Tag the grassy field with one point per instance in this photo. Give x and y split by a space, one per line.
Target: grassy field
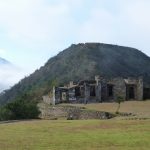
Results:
76 135
113 134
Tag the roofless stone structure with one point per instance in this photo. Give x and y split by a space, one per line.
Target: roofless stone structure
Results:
97 90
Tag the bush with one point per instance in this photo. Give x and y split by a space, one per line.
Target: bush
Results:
5 114
19 109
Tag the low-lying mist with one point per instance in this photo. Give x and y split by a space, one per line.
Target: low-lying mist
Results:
9 75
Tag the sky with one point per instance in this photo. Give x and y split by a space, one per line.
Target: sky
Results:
32 31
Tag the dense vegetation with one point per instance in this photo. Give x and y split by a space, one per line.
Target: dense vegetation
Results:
21 108
81 61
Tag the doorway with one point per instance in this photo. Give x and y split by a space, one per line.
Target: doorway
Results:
92 91
110 90
130 92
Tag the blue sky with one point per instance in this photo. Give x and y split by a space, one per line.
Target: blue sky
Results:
32 31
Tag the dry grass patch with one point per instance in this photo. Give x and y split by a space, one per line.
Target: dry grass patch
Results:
140 108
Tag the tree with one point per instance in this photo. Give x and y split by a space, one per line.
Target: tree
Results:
23 109
5 114
119 100
20 108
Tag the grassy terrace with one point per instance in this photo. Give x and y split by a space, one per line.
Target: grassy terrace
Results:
140 108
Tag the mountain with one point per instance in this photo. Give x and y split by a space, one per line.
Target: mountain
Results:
78 62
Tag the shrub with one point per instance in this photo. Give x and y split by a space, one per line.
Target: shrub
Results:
5 114
19 109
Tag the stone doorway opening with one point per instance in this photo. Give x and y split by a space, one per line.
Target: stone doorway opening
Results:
92 91
77 91
146 93
110 91
130 92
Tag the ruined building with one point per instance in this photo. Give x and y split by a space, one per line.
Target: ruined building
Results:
98 90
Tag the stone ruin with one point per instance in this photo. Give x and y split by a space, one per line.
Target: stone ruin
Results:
98 90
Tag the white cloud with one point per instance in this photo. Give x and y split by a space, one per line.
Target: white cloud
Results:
9 75
53 24
98 27
2 52
49 26
34 21
127 24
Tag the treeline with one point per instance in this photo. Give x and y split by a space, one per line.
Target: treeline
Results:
21 108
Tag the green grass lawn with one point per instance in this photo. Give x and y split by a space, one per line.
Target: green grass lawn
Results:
76 135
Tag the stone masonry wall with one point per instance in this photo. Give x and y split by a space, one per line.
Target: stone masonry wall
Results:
71 113
140 89
119 88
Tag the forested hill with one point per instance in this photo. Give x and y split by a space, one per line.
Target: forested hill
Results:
81 61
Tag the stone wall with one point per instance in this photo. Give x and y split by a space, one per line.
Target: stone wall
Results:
50 112
119 88
75 114
104 90
140 89
47 99
71 113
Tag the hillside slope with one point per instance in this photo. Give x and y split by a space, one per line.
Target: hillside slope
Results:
82 61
